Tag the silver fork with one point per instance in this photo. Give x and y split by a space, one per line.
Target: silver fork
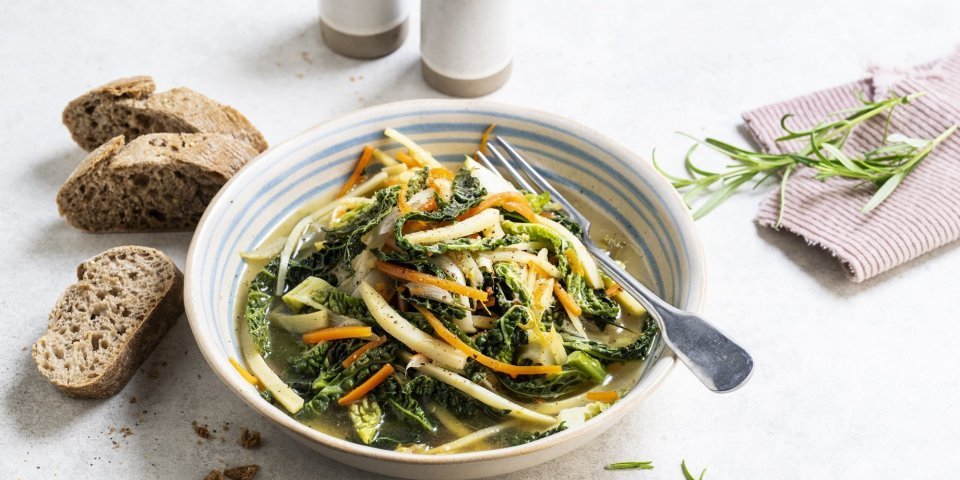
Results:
714 358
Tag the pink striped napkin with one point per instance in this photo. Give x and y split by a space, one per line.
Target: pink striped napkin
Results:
921 215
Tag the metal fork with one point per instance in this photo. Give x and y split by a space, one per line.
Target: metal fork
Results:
714 358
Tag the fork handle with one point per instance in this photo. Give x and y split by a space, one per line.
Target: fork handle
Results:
716 360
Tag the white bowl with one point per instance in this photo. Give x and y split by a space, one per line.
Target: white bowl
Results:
596 170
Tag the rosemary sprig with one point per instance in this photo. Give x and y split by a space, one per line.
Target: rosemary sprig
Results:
885 166
630 466
686 473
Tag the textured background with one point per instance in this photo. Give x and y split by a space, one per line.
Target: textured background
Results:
853 381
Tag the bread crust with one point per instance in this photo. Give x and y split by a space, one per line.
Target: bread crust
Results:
135 344
161 181
130 107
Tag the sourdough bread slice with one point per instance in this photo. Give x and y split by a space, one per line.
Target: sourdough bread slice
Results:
129 107
160 181
105 325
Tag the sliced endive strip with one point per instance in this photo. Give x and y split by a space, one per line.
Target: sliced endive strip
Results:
418 152
414 338
266 251
483 395
258 366
302 323
626 301
474 224
587 263
472 438
520 257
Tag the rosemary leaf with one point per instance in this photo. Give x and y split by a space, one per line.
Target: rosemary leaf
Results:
686 473
630 466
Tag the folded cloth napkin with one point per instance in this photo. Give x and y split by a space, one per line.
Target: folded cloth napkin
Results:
924 211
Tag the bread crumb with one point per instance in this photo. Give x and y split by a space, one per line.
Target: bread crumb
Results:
153 373
249 438
214 475
126 431
244 472
202 430
133 399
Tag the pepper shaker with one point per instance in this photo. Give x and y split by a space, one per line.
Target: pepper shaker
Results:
466 46
364 28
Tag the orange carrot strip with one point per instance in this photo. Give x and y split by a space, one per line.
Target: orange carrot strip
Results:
566 300
486 138
244 373
613 290
420 277
430 206
364 388
492 363
403 157
402 199
336 333
523 208
364 349
494 200
357 171
605 396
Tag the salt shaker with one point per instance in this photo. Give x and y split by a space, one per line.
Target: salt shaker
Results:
364 28
466 46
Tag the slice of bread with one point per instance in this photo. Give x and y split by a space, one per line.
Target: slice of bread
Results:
160 181
106 324
129 107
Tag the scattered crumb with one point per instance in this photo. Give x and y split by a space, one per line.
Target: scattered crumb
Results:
245 472
110 430
352 78
202 430
153 373
226 426
299 75
126 431
133 399
214 475
306 57
116 444
249 438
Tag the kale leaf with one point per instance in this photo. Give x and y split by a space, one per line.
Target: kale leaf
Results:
333 384
402 404
259 298
593 302
545 387
521 438
466 192
638 350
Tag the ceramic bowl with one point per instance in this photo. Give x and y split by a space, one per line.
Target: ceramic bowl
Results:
598 172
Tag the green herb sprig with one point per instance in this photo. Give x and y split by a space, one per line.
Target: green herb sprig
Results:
630 466
686 473
885 166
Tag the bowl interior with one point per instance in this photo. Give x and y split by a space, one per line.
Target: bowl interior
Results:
622 192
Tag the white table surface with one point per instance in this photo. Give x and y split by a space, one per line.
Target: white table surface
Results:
852 381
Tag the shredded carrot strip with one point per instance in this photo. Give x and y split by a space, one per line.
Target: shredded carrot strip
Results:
402 199
336 333
376 379
605 396
430 206
403 157
441 172
420 277
357 171
486 138
566 300
244 373
364 349
523 208
494 200
613 290
492 363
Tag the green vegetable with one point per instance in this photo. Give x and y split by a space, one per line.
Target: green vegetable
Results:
547 387
520 439
630 466
537 202
686 473
537 233
587 365
417 182
259 299
458 403
401 403
367 419
638 350
323 293
336 382
443 311
593 302
508 272
342 243
503 340
466 192
885 166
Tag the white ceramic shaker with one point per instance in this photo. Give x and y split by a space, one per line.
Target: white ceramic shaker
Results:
364 28
466 46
